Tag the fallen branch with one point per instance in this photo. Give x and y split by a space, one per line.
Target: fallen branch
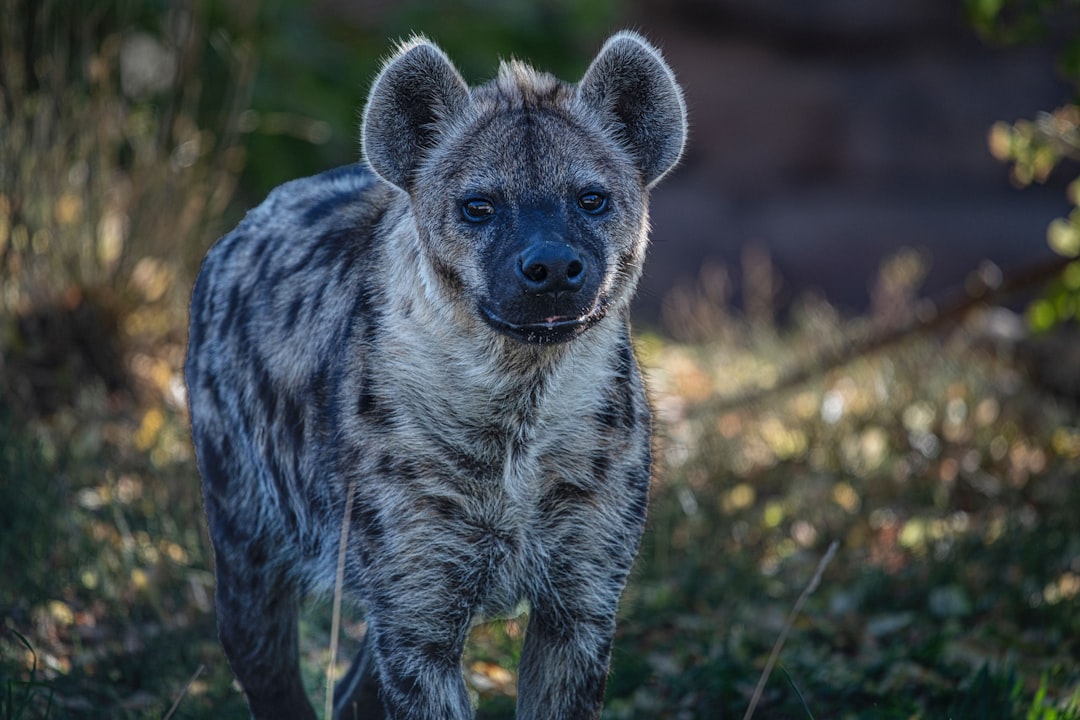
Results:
936 314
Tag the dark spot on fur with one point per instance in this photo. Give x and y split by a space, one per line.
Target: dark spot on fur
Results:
407 689
408 470
469 576
445 508
366 519
293 421
369 407
608 415
372 329
326 248
243 320
474 466
317 302
262 256
265 393
437 653
293 313
211 386
401 469
328 205
448 274
619 408
365 401
347 263
232 309
490 435
639 482
284 485
566 495
212 462
600 464
363 303
256 553
227 530
516 448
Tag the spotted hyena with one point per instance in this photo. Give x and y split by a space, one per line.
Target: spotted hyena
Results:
434 344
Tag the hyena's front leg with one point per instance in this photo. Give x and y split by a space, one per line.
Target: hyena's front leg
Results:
421 591
564 663
417 649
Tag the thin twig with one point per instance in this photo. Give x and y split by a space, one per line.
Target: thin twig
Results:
335 622
183 693
788 624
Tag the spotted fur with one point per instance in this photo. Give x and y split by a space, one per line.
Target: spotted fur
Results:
468 374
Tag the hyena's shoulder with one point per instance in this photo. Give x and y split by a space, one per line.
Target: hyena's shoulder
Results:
302 228
281 289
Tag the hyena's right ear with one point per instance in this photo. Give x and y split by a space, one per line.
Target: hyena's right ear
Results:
417 93
634 89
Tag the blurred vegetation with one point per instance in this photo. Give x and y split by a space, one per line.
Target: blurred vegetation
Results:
947 476
133 133
1050 142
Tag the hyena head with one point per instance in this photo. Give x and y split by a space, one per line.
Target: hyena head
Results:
529 194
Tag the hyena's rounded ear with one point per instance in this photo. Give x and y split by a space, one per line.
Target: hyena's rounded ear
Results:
630 84
417 94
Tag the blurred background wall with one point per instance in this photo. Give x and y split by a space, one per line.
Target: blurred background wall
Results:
832 133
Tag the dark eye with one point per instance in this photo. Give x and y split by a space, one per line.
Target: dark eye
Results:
592 202
477 209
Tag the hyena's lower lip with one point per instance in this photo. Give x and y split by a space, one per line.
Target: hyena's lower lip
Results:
549 330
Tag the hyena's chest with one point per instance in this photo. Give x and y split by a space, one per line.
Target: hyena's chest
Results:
498 507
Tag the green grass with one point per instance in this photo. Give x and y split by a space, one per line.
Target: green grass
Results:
948 479
20 697
950 483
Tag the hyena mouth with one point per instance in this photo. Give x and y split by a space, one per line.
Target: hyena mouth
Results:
554 329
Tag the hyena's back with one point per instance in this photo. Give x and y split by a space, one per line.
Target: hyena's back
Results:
275 301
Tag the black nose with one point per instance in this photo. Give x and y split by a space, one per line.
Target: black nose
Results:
547 266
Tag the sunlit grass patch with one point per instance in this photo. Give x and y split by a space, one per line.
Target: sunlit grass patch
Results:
935 465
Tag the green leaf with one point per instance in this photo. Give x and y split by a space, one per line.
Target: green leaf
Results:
1071 276
1063 237
1041 315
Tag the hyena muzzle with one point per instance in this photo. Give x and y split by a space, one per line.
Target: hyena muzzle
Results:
435 345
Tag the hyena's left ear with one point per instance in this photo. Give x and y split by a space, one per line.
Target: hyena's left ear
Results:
413 100
630 83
